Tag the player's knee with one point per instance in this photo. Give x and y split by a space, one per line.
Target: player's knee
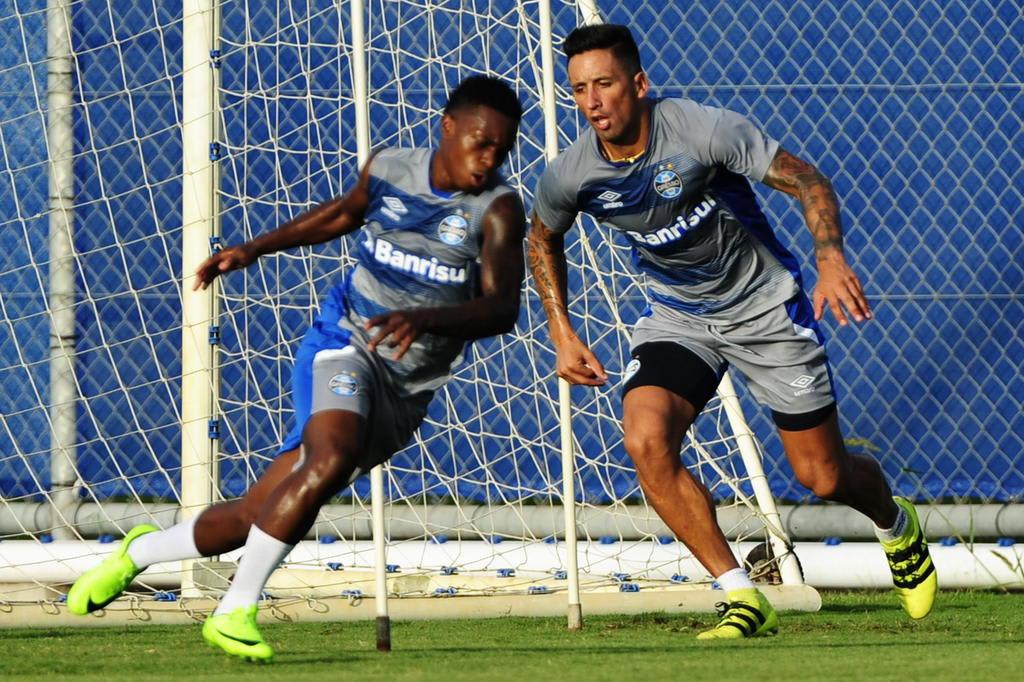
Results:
657 462
827 489
228 522
649 448
824 483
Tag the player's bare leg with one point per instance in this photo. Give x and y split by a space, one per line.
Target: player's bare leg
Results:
821 462
224 527
332 441
655 421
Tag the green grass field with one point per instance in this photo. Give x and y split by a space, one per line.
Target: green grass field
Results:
970 636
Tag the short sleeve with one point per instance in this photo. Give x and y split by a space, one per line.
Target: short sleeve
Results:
553 202
740 146
380 161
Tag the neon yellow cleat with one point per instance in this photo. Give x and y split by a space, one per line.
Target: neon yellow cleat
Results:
236 634
746 614
102 584
913 573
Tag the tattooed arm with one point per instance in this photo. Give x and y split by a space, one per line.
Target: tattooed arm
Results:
546 254
838 286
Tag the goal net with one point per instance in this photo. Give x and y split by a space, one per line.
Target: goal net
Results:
93 130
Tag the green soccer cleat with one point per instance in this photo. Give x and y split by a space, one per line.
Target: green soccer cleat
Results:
236 634
913 573
746 614
102 584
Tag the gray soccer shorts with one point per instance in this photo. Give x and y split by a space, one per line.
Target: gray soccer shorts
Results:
781 353
337 375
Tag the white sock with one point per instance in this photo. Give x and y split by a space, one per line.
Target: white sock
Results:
899 527
174 544
262 554
736 579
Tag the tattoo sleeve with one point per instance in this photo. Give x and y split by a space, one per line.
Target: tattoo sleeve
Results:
546 256
796 177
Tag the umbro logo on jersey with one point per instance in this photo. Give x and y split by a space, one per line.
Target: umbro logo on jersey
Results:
396 205
394 208
610 199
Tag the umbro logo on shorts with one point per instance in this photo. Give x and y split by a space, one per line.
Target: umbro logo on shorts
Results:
803 382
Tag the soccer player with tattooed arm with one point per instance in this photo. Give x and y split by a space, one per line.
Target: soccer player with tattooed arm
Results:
672 176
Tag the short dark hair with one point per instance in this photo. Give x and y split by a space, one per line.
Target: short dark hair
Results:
486 91
614 37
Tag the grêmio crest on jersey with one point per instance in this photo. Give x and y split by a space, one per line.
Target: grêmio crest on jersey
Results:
667 182
452 230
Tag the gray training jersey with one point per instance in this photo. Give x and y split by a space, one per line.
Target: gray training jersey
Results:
697 232
418 249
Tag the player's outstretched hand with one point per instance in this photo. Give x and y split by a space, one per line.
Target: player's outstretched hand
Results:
231 258
839 287
578 365
399 328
